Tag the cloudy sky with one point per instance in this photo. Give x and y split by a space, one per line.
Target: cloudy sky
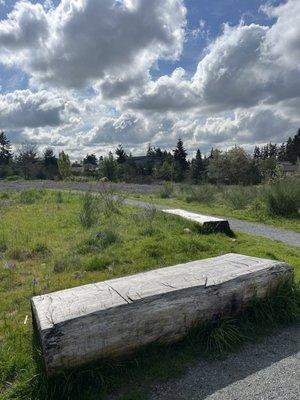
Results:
86 75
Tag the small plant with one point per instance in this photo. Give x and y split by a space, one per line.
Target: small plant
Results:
59 198
30 196
97 263
20 254
3 245
99 242
167 190
219 335
4 196
40 250
111 202
88 210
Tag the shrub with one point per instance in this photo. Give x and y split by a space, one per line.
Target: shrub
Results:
283 197
201 194
88 210
30 196
239 197
13 178
167 190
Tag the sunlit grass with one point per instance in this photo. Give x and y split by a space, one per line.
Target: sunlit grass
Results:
44 247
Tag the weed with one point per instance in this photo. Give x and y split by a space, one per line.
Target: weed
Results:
3 245
167 190
111 202
59 198
99 242
41 250
88 210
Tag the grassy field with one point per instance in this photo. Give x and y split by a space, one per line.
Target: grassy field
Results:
48 243
246 203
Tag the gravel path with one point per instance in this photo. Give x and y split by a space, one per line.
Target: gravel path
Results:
261 371
270 232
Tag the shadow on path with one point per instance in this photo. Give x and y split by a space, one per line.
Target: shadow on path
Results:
266 370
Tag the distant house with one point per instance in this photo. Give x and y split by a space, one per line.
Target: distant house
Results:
287 168
89 167
76 168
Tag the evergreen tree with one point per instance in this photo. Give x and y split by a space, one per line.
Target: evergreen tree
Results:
256 153
181 163
50 163
121 155
109 167
289 149
90 159
197 167
28 160
282 152
5 149
64 165
293 148
272 150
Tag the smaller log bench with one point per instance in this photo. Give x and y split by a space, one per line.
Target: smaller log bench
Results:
208 224
115 317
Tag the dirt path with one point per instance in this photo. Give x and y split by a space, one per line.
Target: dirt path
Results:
253 228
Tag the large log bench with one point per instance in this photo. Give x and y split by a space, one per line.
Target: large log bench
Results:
115 317
207 223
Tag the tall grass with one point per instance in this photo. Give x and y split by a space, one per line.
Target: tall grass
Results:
88 210
283 197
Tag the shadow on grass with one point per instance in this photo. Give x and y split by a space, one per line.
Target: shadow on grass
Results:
131 377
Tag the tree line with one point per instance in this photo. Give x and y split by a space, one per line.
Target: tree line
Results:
234 166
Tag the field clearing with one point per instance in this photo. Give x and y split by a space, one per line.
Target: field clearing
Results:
45 247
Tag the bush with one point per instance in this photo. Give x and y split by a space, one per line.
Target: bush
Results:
88 210
30 196
201 194
283 197
166 191
239 197
13 178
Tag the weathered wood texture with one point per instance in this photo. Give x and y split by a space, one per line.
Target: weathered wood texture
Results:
114 317
208 223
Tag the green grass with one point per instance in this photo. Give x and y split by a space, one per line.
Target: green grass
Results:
233 206
44 248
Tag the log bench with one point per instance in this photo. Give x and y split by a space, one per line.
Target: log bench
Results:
208 224
115 317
